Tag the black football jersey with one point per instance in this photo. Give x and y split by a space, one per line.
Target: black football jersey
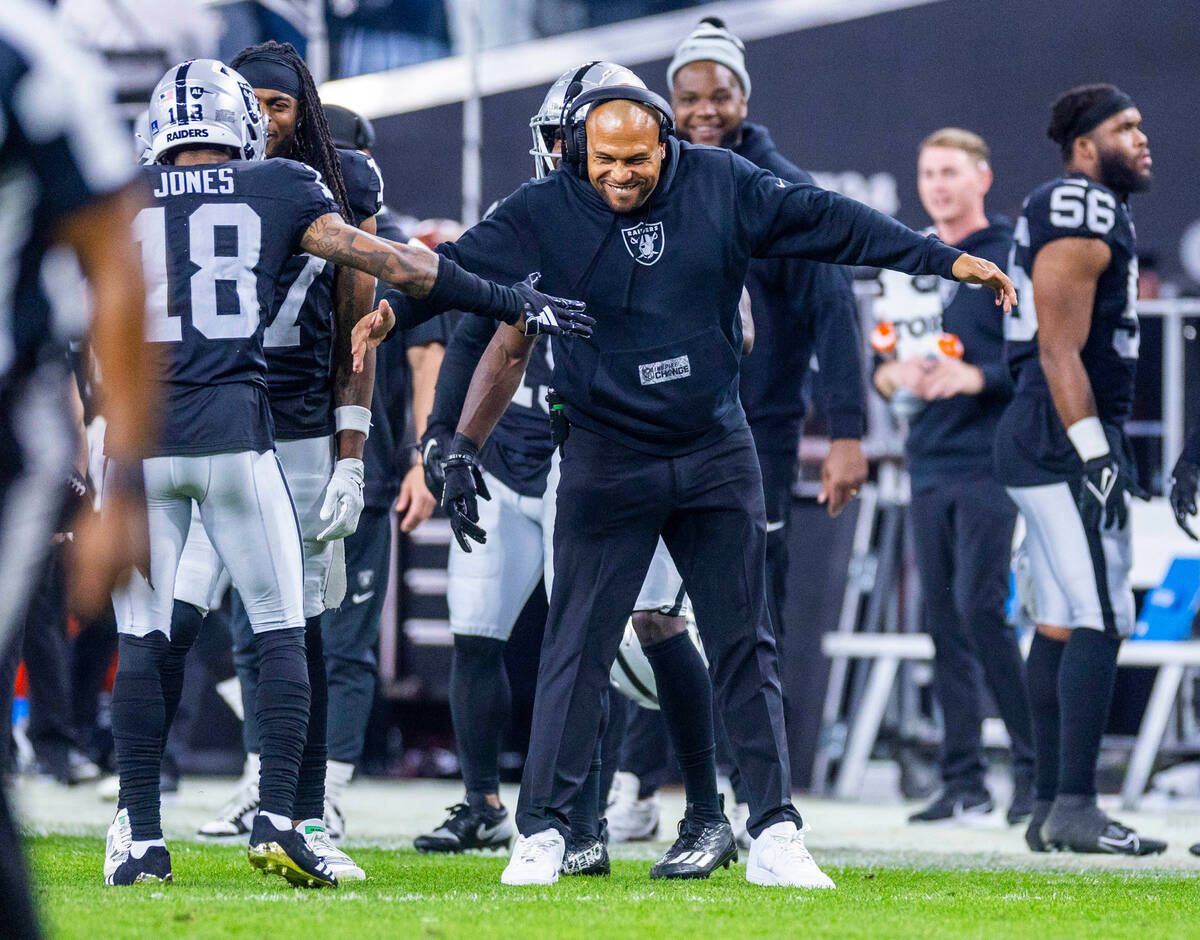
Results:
215 241
299 341
59 152
1032 445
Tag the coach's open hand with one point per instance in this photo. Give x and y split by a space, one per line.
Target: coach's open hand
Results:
554 315
972 270
464 482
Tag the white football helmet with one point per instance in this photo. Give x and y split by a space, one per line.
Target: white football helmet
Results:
547 121
205 101
631 674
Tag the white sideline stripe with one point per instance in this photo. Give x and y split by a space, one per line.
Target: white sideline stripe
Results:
428 632
426 580
508 68
431 532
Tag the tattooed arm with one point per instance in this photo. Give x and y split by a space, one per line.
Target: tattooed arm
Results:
412 270
353 378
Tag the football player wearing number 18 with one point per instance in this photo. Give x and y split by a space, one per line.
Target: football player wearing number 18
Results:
221 226
1062 453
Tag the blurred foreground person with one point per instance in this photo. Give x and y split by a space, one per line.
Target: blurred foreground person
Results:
64 181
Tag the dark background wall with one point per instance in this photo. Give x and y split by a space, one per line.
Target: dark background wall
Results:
861 95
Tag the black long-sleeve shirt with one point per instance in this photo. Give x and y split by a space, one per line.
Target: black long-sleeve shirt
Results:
661 372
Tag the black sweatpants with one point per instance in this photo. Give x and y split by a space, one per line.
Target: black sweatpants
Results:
613 502
779 468
962 533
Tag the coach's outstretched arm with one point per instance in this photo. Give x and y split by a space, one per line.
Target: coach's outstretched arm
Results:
440 284
804 221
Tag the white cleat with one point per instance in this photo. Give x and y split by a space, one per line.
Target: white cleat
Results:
779 857
117 843
630 819
337 861
235 818
536 860
739 816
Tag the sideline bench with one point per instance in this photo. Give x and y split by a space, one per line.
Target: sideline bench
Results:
888 650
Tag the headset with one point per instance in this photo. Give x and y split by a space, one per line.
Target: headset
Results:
574 132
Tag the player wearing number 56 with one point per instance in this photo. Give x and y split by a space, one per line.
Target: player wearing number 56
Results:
1062 452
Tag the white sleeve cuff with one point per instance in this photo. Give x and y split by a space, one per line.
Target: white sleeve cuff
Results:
1087 436
352 418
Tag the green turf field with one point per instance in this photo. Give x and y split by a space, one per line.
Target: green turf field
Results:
409 895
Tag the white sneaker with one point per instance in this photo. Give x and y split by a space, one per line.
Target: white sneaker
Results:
335 819
109 788
337 861
738 817
536 860
779 857
630 819
117 843
235 818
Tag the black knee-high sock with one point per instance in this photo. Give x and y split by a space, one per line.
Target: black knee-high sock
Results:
480 702
1085 689
310 787
1041 671
186 622
685 697
585 813
283 704
137 724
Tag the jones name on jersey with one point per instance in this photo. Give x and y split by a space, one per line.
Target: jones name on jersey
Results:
214 242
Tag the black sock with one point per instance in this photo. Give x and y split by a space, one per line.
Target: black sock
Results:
283 703
310 786
137 725
186 622
685 696
480 701
1041 671
1085 689
587 809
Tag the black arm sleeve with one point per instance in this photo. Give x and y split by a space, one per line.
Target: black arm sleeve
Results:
466 347
799 220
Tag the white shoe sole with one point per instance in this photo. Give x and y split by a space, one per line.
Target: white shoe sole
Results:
527 880
347 874
768 879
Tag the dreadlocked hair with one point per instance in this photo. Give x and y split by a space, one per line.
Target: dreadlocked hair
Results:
311 143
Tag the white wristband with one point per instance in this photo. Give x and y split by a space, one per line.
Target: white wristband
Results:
1087 435
352 418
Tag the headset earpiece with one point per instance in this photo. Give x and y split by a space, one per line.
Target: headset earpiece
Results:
574 133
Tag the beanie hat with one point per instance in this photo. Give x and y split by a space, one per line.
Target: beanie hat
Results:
710 41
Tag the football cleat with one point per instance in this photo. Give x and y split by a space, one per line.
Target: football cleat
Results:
1033 832
1077 824
337 861
155 865
586 857
284 852
779 857
117 843
631 819
468 828
702 848
536 860
955 806
236 817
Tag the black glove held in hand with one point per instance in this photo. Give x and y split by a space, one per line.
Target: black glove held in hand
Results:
464 482
554 315
1184 480
1101 496
432 449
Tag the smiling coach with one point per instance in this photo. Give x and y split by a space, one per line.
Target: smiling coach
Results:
656 235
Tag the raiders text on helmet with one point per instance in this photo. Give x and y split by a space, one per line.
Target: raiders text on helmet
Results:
205 101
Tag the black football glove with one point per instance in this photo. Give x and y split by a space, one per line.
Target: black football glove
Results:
1101 496
1184 480
463 483
432 448
553 315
